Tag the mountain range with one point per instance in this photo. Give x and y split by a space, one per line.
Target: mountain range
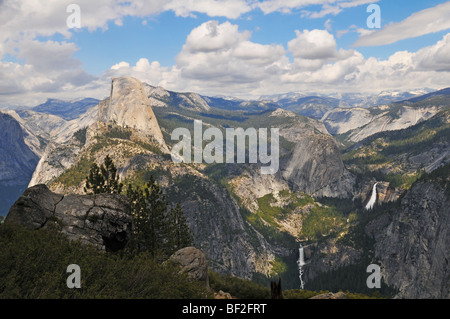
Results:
248 224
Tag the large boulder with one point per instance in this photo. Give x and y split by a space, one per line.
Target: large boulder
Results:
193 262
103 220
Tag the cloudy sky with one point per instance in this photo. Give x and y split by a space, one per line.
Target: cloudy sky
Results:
242 48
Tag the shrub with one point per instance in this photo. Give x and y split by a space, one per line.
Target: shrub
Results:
34 262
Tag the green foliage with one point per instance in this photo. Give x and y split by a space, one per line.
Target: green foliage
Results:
441 175
148 207
270 213
115 131
154 149
34 262
384 156
76 174
157 230
351 278
278 266
271 234
321 221
103 179
402 180
80 135
237 287
344 205
179 233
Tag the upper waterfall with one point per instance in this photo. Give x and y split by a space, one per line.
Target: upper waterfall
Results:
373 197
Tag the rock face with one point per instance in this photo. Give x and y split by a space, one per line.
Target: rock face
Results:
341 120
218 227
326 256
17 161
192 262
128 106
102 220
160 97
315 167
360 123
413 243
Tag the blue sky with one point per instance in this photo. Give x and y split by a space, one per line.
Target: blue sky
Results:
243 48
163 36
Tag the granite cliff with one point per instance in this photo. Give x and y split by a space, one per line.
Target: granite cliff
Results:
413 242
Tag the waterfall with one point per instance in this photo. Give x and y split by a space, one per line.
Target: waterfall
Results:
301 263
373 198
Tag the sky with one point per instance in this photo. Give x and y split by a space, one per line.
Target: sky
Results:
240 48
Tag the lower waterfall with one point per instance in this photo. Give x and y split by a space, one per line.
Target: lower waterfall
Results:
300 264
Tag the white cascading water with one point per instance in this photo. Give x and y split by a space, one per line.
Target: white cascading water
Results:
301 263
373 198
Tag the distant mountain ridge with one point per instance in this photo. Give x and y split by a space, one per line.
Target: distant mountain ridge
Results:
68 110
355 124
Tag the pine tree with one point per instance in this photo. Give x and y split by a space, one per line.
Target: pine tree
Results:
157 230
151 230
180 235
103 179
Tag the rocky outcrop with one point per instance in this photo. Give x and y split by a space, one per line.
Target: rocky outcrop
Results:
413 243
192 262
56 159
128 106
102 220
314 164
327 256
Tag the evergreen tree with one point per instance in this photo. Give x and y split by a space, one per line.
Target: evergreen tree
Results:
157 230
180 235
103 179
151 230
